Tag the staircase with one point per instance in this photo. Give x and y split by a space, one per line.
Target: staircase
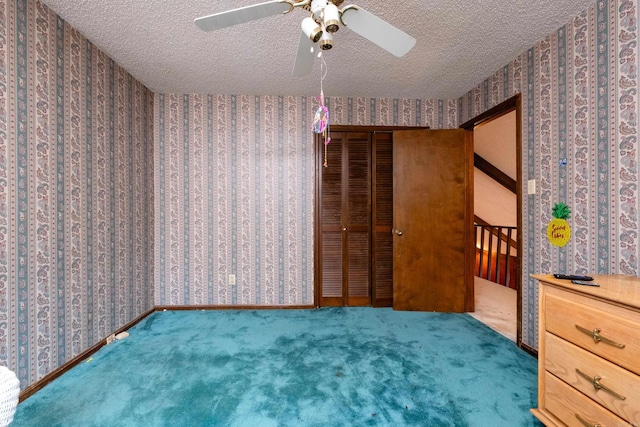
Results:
496 254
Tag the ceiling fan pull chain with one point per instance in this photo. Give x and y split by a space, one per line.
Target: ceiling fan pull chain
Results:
323 122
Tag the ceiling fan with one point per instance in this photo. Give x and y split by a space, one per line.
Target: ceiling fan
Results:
318 28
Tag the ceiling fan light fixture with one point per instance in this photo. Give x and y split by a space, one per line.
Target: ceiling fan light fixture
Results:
311 29
331 18
326 42
326 18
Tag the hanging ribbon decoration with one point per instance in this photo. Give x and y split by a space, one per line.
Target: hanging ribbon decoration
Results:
321 118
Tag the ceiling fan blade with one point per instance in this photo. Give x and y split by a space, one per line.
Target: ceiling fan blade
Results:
378 31
242 15
304 57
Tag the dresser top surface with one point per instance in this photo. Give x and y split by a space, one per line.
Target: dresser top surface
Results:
616 288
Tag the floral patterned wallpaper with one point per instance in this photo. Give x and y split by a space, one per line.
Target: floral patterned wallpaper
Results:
76 192
234 192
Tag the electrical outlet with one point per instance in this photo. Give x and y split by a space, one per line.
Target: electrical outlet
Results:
232 279
111 338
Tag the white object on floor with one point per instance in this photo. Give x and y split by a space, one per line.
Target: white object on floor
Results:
496 307
9 393
122 335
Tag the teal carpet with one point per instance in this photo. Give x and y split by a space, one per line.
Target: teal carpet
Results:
326 367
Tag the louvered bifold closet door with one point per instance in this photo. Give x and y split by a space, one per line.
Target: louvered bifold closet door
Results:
345 221
358 219
382 219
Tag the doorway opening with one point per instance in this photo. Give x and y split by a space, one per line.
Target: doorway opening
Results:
498 217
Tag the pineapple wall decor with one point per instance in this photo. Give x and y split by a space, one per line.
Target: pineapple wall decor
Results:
558 230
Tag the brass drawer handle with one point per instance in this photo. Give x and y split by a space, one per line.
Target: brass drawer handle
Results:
596 384
595 333
586 424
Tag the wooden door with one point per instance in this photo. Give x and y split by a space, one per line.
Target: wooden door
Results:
345 221
433 224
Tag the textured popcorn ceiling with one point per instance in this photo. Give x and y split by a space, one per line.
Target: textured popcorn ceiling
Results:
459 44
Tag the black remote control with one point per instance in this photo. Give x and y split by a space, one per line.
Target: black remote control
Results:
584 282
573 277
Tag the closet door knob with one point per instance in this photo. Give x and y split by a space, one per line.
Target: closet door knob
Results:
398 232
344 228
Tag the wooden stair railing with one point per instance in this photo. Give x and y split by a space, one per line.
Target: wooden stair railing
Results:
495 257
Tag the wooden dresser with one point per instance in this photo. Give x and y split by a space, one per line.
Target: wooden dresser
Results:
589 352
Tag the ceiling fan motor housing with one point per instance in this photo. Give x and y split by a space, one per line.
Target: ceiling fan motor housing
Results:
326 13
317 7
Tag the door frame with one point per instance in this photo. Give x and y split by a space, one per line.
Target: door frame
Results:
318 159
512 104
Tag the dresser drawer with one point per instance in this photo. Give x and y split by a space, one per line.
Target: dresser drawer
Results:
574 318
567 404
563 358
